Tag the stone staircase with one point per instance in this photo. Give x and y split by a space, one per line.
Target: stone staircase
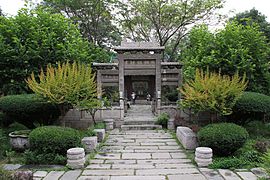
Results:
140 117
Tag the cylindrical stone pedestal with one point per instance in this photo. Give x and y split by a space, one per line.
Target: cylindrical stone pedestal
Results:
203 156
171 124
90 143
100 134
109 124
75 158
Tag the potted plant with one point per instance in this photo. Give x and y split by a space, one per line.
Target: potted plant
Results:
19 140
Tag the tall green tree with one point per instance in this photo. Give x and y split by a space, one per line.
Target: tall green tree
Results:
93 16
253 16
236 48
31 40
165 21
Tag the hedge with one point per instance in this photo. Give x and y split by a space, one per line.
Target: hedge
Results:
27 109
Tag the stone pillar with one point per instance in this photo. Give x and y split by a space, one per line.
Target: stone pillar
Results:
99 85
158 82
171 124
75 158
121 83
203 156
90 143
100 134
109 124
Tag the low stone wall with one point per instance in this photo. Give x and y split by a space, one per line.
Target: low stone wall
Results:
82 120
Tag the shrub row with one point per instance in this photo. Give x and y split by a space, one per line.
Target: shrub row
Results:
28 109
223 138
251 106
49 144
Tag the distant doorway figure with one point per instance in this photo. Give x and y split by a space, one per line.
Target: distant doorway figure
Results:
148 97
133 97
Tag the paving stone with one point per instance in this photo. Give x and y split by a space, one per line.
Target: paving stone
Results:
247 175
164 161
166 171
11 167
142 147
178 155
118 161
94 178
54 175
138 178
40 174
71 175
259 172
186 177
133 166
174 166
161 155
136 156
153 144
99 166
108 156
228 175
169 147
173 143
158 150
211 174
97 161
109 172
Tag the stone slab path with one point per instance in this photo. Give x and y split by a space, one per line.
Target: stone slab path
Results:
148 154
143 155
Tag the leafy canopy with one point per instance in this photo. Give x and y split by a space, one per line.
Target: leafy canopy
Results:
212 92
165 21
236 48
31 40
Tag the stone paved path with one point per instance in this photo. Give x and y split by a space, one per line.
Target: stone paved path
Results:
149 154
143 155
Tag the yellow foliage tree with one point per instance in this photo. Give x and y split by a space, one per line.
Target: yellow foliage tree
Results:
66 85
213 92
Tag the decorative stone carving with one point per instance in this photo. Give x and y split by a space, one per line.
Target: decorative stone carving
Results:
100 134
76 158
203 156
90 143
187 137
171 124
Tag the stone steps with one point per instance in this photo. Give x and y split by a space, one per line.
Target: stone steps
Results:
140 127
139 122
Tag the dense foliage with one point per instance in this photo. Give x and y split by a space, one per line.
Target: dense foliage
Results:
223 138
236 48
28 109
49 144
31 40
66 85
166 22
253 16
4 144
212 92
163 119
251 106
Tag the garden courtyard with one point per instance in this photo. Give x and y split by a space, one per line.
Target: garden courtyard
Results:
112 90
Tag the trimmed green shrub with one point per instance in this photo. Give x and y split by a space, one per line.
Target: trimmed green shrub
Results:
258 129
100 125
223 138
16 127
49 144
53 139
28 108
251 106
163 119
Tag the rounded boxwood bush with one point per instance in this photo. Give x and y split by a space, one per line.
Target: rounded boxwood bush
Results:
54 139
28 108
250 106
223 138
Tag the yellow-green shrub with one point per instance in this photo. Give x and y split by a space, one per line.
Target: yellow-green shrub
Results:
212 92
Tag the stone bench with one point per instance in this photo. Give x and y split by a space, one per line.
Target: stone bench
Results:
187 137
